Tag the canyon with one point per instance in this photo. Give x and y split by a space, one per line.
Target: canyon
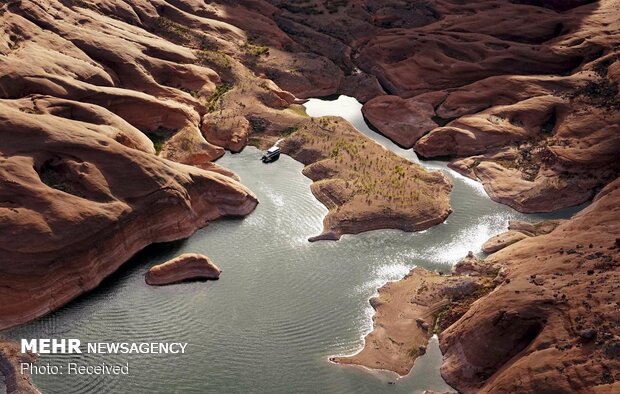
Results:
538 314
100 98
113 113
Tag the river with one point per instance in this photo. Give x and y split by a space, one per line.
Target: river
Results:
282 306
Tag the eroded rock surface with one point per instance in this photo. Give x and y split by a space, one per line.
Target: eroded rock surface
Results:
523 95
539 315
96 95
188 266
502 240
75 204
552 323
11 358
408 312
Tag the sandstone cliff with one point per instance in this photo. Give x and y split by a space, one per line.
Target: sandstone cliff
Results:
540 315
75 204
552 324
95 95
522 95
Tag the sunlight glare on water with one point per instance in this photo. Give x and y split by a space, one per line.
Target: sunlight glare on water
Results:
282 306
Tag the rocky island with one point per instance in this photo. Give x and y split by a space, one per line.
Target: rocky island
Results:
188 266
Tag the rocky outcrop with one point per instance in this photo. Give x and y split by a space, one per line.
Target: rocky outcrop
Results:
75 204
402 121
536 316
10 366
522 95
189 266
550 325
403 323
471 265
517 231
532 229
408 312
502 240
364 186
90 63
536 142
92 92
525 97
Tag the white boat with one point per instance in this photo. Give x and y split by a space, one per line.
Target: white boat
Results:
272 154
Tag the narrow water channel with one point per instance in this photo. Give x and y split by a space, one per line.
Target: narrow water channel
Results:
282 306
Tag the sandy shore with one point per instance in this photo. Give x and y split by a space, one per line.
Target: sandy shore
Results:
544 300
403 321
408 312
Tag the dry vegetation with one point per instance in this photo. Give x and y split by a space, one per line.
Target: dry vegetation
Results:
373 174
364 185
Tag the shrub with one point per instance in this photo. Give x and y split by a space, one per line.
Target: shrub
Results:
217 94
158 141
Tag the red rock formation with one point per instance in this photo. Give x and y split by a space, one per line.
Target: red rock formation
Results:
525 90
405 314
539 142
364 186
75 205
188 266
10 366
517 231
529 88
552 325
82 86
90 59
538 316
502 240
402 121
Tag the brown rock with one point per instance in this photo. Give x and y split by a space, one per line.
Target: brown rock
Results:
461 288
362 86
468 265
342 161
314 76
69 217
502 240
511 338
89 92
402 121
189 266
524 227
400 327
11 358
514 338
422 350
534 229
403 310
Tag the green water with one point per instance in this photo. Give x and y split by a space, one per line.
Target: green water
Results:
282 306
